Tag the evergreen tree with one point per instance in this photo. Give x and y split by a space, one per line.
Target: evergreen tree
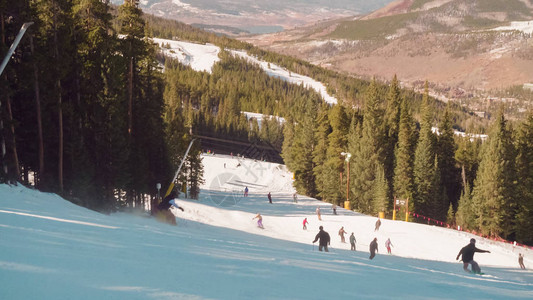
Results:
369 154
403 173
424 171
524 166
446 148
334 163
323 129
467 157
493 196
392 127
380 195
354 145
303 147
465 216
450 216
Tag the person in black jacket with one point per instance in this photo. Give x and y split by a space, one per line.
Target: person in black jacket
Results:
468 256
324 239
163 212
373 248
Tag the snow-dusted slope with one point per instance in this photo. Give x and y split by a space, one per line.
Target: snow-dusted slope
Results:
52 249
283 218
202 57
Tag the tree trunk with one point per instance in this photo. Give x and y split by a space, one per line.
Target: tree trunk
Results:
2 136
130 102
16 166
39 118
60 113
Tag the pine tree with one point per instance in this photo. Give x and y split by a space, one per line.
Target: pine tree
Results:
323 129
369 154
380 195
354 145
392 126
524 165
404 187
464 216
334 163
424 171
302 150
493 196
446 148
450 215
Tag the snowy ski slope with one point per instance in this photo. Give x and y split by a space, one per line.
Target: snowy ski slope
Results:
53 249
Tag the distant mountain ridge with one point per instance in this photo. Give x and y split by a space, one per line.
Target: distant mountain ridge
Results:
246 14
461 47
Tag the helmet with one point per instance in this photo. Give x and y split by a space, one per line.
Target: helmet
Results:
472 241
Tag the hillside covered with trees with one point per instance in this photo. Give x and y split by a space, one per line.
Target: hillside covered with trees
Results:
88 113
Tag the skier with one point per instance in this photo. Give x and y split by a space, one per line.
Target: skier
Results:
163 208
373 248
521 261
378 224
259 220
305 223
342 232
294 198
318 213
324 239
468 256
269 196
334 207
352 242
246 192
388 244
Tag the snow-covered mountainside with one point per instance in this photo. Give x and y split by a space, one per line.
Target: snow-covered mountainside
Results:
53 249
202 57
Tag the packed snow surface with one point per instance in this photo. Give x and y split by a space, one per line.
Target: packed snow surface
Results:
53 249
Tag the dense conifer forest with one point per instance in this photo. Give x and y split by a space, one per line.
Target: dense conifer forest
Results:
87 112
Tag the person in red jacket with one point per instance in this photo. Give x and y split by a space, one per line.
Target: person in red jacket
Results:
468 256
305 223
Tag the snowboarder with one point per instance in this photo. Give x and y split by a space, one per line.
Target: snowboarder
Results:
305 223
373 248
246 192
378 224
163 208
259 220
388 244
342 232
352 242
334 207
324 239
468 256
521 261
318 213
269 196
294 198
